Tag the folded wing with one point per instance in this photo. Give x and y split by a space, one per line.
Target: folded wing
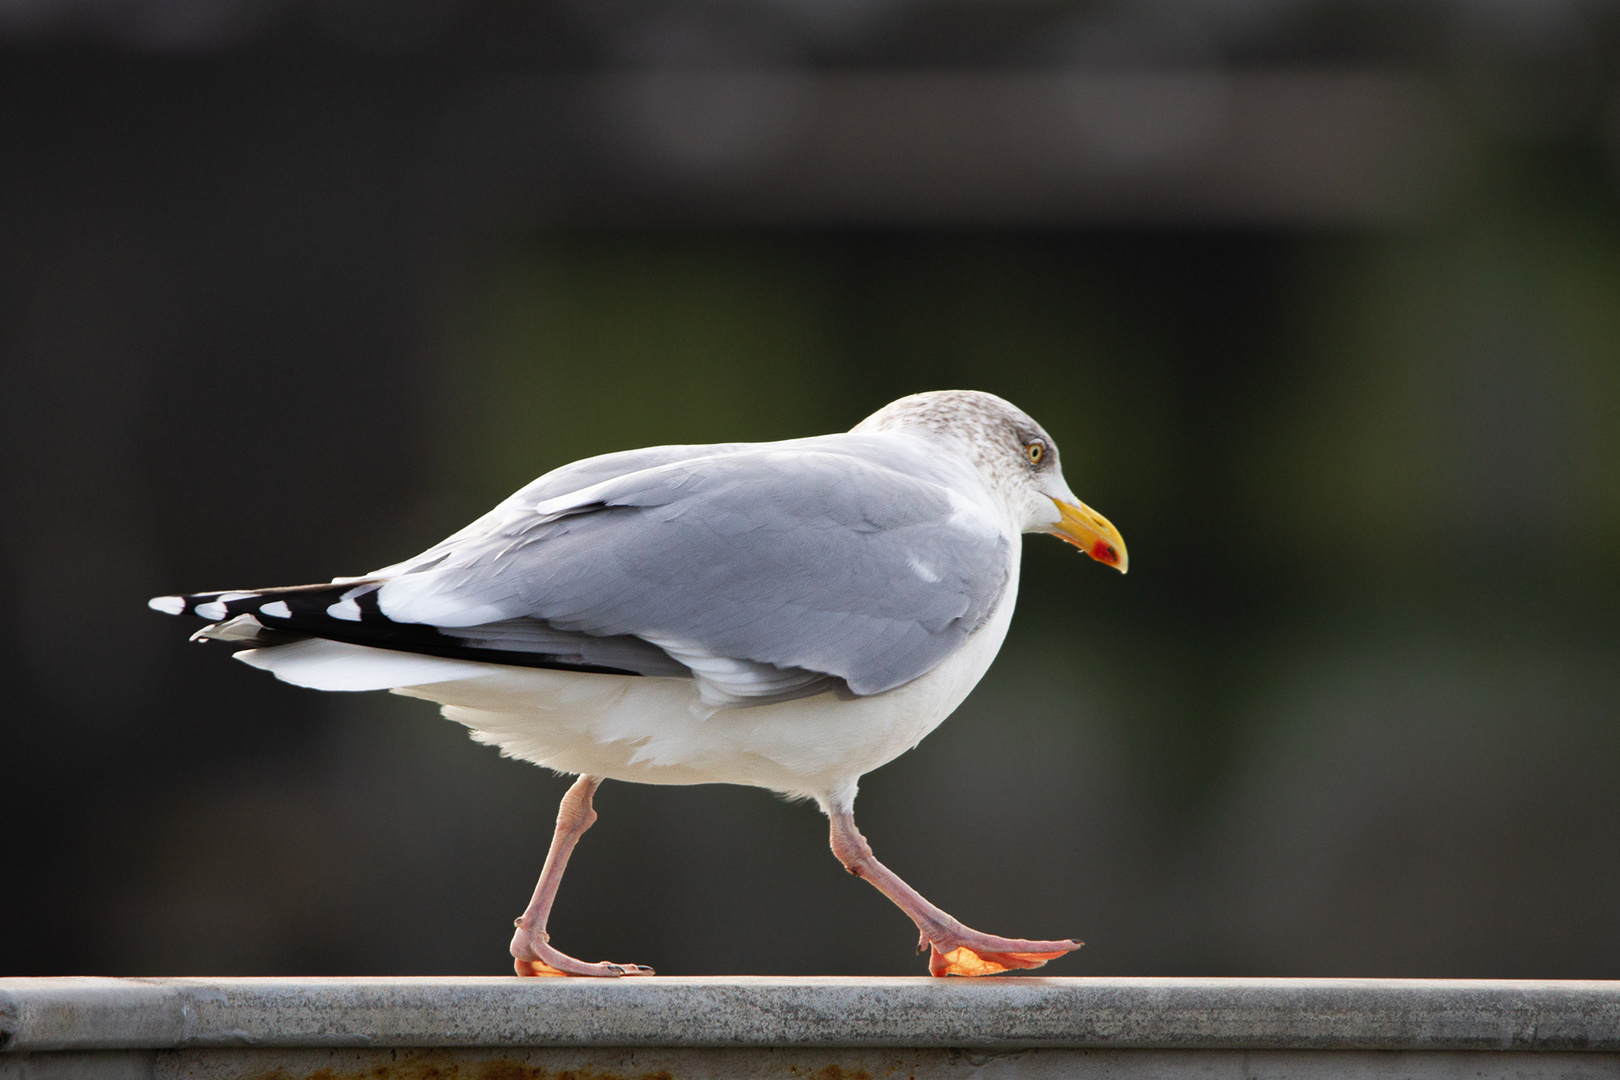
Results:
765 572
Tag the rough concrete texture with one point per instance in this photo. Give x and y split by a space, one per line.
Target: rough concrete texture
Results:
81 1014
801 1063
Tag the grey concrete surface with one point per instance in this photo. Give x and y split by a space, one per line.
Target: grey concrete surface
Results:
93 1014
800 1063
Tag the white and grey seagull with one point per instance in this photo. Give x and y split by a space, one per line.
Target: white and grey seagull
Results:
786 615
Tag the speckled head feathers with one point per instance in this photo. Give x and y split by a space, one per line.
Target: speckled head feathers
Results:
985 422
968 414
992 433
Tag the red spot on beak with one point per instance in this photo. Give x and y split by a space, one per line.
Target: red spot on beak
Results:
1091 533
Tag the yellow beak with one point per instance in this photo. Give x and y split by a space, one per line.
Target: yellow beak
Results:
1091 533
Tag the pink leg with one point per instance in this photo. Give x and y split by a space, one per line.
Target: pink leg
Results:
532 953
955 949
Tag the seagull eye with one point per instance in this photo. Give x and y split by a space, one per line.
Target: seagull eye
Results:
1036 451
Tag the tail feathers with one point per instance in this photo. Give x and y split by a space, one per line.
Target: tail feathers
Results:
271 616
347 611
338 665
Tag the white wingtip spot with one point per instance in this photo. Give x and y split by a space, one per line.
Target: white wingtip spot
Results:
169 605
345 609
278 610
212 610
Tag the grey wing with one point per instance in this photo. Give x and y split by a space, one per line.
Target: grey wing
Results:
760 569
517 508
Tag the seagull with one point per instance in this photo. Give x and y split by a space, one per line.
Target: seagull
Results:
786 615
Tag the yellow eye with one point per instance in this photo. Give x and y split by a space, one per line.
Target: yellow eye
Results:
1036 451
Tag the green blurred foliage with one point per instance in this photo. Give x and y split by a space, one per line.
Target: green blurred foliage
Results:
584 344
591 347
1355 710
1358 438
1371 485
1456 411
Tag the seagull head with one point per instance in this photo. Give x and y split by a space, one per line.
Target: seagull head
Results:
1014 456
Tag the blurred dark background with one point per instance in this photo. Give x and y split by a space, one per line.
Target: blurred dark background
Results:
1321 299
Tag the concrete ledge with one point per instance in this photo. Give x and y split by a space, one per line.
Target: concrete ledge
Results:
738 1063
1010 1014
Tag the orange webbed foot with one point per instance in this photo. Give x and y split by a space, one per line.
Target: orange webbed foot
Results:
533 955
541 969
973 954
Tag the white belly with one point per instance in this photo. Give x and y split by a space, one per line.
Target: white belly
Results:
657 731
